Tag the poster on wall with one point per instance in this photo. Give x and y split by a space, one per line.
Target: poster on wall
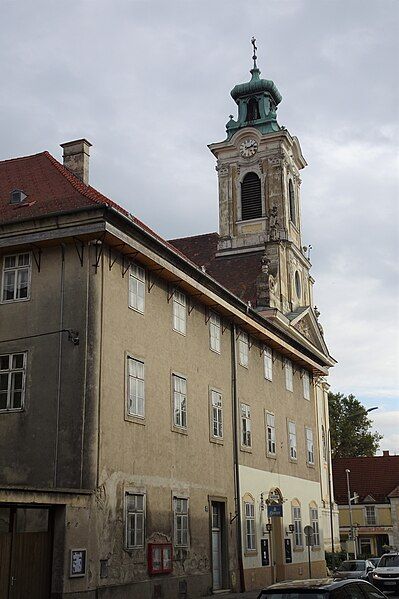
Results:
288 551
78 563
264 547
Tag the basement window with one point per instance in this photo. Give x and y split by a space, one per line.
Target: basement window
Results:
17 196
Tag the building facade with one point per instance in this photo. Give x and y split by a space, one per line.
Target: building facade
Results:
162 404
374 491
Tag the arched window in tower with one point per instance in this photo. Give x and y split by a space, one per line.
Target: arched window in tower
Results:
253 110
251 197
292 202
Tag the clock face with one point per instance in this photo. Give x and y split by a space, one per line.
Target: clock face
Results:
248 148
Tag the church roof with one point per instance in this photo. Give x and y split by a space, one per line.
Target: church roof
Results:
377 476
238 273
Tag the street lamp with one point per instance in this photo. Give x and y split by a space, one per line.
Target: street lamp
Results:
329 473
350 510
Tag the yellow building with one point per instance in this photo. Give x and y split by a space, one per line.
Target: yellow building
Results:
374 491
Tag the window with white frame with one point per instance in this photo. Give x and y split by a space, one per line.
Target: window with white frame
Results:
179 401
216 414
297 522
268 363
270 434
292 440
250 537
309 446
135 520
12 381
214 332
246 438
370 515
314 523
179 312
16 277
306 384
180 521
135 388
243 349
137 288
289 383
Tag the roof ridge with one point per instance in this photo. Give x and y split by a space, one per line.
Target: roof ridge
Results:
22 157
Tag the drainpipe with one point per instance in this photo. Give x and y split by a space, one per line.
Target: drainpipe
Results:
236 454
61 326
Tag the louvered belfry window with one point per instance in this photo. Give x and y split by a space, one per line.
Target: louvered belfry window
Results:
251 197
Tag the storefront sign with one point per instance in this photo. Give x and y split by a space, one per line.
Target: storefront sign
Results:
288 551
264 547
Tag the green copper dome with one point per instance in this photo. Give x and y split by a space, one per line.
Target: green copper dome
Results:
257 102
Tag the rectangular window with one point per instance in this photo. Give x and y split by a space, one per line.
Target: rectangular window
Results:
137 288
309 446
135 519
179 312
16 277
246 439
12 381
217 414
292 440
370 515
270 434
180 518
268 363
306 384
179 401
289 384
243 349
135 391
214 332
314 522
250 539
296 518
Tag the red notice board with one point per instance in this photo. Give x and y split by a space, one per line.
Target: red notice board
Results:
160 558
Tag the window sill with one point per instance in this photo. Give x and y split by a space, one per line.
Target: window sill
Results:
298 548
180 332
215 351
243 365
271 456
270 380
15 301
293 460
217 440
310 465
251 552
179 430
135 419
136 310
12 410
246 449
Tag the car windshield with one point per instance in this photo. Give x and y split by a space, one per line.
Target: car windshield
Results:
287 594
352 566
389 561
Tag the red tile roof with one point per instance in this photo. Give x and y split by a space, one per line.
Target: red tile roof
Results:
377 476
49 186
236 273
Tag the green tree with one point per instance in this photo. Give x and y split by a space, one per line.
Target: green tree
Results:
351 436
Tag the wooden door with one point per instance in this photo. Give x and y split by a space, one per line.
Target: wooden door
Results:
26 553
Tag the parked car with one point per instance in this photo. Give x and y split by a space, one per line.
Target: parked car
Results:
354 568
324 588
386 575
374 561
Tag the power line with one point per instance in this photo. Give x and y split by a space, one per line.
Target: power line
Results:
73 336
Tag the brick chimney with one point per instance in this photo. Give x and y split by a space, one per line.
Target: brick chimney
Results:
76 158
385 452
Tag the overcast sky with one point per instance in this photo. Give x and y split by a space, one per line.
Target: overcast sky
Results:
148 83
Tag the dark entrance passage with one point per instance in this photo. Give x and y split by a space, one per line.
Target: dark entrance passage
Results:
25 552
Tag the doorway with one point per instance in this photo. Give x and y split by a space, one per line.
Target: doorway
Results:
25 552
218 544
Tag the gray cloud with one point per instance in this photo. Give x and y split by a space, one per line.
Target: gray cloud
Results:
148 83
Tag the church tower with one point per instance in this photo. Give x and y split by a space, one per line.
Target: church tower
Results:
258 167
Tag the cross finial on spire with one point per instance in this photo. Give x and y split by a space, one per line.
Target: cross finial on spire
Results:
254 57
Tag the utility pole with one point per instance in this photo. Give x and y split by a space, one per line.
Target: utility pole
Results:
350 510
